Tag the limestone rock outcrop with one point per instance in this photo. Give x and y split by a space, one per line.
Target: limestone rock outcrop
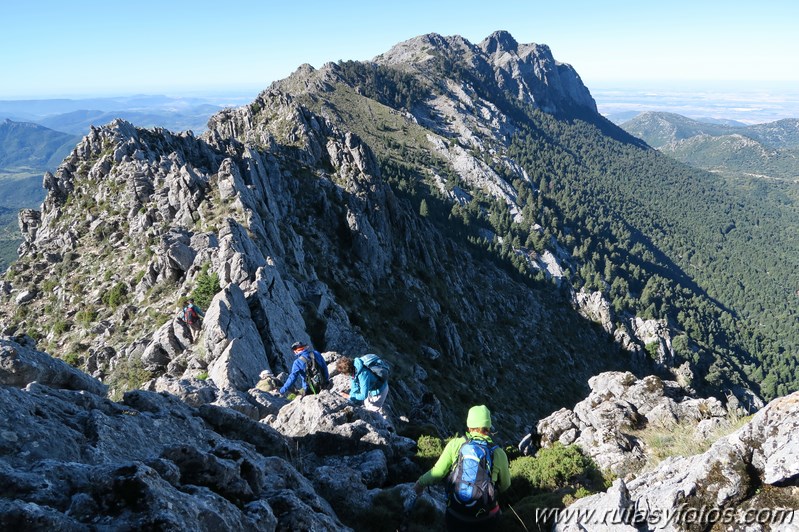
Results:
605 423
71 459
745 481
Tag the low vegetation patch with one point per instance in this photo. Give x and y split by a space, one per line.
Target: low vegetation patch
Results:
127 375
682 439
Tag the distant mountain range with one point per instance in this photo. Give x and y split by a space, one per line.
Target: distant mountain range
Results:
26 151
763 150
76 115
78 122
31 147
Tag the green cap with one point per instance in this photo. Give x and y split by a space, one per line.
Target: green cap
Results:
479 417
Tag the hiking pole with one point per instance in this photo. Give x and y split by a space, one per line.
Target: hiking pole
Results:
519 518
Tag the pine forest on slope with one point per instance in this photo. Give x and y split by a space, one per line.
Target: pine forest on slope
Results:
658 238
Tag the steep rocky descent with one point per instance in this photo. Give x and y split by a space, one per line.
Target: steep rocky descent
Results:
291 213
70 459
444 124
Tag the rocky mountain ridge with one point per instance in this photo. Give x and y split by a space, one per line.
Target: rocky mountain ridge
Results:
310 236
308 242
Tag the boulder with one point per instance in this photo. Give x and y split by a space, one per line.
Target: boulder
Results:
22 364
604 423
193 392
235 351
328 424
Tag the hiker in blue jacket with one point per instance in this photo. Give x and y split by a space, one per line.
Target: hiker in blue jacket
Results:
365 386
300 369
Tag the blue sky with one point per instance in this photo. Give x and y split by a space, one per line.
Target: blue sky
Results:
178 47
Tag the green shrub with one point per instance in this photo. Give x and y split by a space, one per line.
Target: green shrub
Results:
86 317
116 296
60 326
73 359
552 468
429 448
207 287
558 468
202 376
127 375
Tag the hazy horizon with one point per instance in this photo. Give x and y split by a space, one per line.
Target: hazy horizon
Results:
745 103
52 48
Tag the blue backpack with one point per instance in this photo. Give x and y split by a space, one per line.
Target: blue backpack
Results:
470 488
378 367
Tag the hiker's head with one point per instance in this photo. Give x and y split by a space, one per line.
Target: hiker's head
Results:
479 419
190 300
298 347
345 366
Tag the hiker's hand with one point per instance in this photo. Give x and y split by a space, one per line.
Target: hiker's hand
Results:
418 488
345 395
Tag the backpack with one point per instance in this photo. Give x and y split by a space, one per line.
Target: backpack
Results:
470 488
378 367
314 376
190 315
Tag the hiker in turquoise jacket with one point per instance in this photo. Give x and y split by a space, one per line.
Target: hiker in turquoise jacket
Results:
303 352
365 386
479 424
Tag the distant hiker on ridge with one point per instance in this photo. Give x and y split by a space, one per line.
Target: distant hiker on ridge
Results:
368 381
472 501
308 372
193 317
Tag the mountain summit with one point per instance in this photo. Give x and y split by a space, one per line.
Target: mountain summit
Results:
528 71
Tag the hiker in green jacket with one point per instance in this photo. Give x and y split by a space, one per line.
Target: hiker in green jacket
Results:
467 508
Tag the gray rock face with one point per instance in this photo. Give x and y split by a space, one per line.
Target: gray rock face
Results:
236 352
327 424
723 481
20 365
635 335
74 460
528 70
